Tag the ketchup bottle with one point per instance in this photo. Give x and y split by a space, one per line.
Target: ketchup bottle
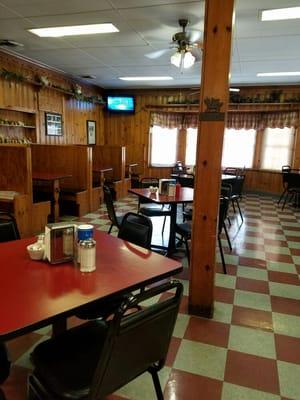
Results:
177 190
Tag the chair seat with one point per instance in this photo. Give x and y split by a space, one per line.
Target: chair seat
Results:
184 229
119 219
67 362
154 210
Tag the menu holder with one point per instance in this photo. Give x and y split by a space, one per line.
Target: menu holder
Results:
59 242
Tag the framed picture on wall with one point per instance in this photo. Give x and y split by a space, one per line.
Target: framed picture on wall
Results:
53 124
91 132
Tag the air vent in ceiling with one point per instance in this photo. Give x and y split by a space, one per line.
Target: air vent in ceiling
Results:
10 43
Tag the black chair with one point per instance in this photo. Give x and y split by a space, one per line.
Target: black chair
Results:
151 209
223 209
8 227
185 231
285 169
93 360
292 193
236 193
115 219
136 229
4 363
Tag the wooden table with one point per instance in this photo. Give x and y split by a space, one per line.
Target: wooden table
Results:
186 195
34 294
54 179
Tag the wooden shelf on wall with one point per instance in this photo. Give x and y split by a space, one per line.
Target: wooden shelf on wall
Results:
18 126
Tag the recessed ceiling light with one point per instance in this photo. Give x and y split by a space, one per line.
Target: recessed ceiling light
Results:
232 89
293 73
278 14
59 31
145 78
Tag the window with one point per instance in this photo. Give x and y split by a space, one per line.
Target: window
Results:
191 146
238 148
277 148
163 146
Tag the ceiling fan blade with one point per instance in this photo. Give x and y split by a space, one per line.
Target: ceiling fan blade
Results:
197 53
156 54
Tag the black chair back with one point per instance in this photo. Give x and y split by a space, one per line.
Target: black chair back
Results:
137 229
237 186
226 190
95 359
8 227
223 209
110 205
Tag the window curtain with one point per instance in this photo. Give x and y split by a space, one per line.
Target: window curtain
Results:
190 121
262 120
175 120
281 119
166 120
247 121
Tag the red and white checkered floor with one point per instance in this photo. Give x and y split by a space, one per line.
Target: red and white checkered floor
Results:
251 348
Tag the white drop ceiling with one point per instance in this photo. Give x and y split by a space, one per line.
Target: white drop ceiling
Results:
146 26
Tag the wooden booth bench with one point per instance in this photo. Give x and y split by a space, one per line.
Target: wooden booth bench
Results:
135 159
109 164
16 190
71 166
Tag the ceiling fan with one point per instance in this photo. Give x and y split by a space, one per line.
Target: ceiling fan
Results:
187 44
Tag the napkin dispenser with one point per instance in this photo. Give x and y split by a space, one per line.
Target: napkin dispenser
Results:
163 187
59 242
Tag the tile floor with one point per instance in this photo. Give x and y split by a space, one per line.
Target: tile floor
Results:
250 350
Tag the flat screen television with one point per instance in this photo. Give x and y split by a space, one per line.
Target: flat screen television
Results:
120 104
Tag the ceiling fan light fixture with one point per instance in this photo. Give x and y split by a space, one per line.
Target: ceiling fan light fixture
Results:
183 59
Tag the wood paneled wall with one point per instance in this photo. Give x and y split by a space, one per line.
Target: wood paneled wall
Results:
134 129
26 96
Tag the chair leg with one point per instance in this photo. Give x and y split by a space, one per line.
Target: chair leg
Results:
163 227
229 222
284 200
238 205
281 196
187 250
110 228
156 383
222 254
232 202
227 236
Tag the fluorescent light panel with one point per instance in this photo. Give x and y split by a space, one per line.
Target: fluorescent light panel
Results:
292 73
145 78
278 14
232 89
76 30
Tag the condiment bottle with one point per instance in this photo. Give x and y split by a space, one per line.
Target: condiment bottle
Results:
87 252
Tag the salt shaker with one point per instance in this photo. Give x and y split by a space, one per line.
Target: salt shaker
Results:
87 252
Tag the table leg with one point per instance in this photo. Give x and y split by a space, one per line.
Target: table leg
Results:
56 191
172 237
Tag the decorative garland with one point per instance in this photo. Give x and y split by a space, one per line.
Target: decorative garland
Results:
43 81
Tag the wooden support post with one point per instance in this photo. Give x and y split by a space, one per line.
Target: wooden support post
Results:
214 96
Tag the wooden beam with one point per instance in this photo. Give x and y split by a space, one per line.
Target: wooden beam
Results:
214 96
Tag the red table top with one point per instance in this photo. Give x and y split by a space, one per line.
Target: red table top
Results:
36 293
186 195
48 176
